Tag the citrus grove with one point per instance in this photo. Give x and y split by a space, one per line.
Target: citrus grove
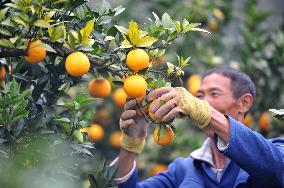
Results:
64 61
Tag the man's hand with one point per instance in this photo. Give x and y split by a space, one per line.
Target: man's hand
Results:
132 121
168 103
134 127
172 102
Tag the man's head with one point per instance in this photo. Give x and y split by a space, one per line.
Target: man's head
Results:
228 91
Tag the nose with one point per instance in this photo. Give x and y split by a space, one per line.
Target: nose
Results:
208 99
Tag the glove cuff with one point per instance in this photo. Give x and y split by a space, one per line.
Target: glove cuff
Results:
198 110
134 145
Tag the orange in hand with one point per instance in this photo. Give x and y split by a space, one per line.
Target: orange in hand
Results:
165 138
152 115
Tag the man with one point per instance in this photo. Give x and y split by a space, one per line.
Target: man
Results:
232 156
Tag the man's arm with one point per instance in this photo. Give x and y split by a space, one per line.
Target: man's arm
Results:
126 161
262 159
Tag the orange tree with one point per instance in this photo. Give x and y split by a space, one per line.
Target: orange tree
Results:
261 57
53 47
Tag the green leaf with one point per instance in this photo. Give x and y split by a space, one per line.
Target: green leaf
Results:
20 116
118 10
177 26
84 48
121 29
47 47
83 99
200 30
133 32
186 26
62 120
8 22
78 135
109 38
42 23
279 114
6 43
57 33
125 44
146 41
88 29
156 17
60 2
184 62
167 21
18 20
5 32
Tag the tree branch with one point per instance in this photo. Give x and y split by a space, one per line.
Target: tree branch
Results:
13 53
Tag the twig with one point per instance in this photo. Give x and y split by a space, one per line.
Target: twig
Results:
13 53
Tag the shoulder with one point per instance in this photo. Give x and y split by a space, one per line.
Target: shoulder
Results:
277 141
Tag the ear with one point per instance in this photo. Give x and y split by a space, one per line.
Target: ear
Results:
245 103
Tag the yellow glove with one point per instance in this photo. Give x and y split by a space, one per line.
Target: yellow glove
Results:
134 145
198 110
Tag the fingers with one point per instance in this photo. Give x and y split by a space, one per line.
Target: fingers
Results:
165 108
158 92
130 105
175 112
125 124
165 97
129 114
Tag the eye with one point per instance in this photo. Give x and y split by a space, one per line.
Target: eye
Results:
199 96
214 94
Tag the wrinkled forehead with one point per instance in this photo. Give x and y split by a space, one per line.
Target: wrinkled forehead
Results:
217 81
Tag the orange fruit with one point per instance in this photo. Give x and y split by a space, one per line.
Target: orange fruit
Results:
135 86
157 168
77 64
137 60
115 139
2 73
99 87
264 121
248 119
193 83
95 132
119 97
101 116
35 54
213 26
152 115
218 14
166 138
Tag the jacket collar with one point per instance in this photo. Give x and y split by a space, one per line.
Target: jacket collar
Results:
204 153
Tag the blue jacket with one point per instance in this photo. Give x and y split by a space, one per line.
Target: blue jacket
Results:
255 162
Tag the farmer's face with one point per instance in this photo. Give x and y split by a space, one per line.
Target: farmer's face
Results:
216 90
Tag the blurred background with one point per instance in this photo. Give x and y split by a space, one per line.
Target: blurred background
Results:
245 34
